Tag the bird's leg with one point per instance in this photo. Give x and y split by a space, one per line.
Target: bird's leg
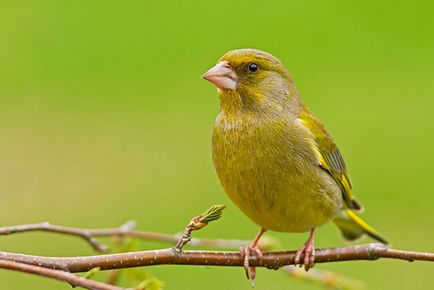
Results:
246 251
308 253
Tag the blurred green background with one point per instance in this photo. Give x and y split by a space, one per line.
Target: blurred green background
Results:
104 118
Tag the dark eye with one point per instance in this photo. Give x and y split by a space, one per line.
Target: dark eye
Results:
253 67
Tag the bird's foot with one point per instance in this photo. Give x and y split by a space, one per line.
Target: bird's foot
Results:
307 252
246 252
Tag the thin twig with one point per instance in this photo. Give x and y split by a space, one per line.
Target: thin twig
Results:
197 223
126 230
87 234
72 279
272 260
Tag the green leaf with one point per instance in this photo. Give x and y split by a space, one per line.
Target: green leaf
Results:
212 214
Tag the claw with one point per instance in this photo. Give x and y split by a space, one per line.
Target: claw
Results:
308 253
246 253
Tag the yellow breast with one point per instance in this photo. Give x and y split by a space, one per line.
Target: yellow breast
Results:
272 175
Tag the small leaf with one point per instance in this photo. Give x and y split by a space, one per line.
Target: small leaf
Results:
212 214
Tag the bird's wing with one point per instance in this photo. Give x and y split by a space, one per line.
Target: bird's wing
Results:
329 156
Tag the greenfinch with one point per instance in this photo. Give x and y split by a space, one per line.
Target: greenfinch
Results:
275 159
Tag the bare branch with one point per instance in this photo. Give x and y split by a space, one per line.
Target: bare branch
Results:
60 267
125 230
176 256
72 279
272 260
87 234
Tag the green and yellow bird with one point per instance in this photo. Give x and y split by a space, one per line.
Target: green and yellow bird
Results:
274 158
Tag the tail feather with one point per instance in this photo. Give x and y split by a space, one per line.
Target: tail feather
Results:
353 227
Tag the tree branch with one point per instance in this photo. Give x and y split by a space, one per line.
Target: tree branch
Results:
87 234
125 230
61 267
272 260
72 279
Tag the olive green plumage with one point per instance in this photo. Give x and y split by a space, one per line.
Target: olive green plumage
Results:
274 158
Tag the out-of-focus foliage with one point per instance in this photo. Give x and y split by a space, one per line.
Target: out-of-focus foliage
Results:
104 118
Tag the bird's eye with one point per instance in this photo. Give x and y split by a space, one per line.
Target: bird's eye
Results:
253 67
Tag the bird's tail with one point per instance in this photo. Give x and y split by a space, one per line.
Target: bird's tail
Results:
353 227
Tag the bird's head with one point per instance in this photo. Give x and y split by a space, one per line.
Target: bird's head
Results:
251 79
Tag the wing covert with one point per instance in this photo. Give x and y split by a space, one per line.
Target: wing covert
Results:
330 158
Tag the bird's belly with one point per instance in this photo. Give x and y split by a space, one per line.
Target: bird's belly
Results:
274 185
285 209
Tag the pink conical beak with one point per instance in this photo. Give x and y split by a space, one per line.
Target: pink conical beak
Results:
222 76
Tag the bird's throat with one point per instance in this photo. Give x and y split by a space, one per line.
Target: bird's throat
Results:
231 101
